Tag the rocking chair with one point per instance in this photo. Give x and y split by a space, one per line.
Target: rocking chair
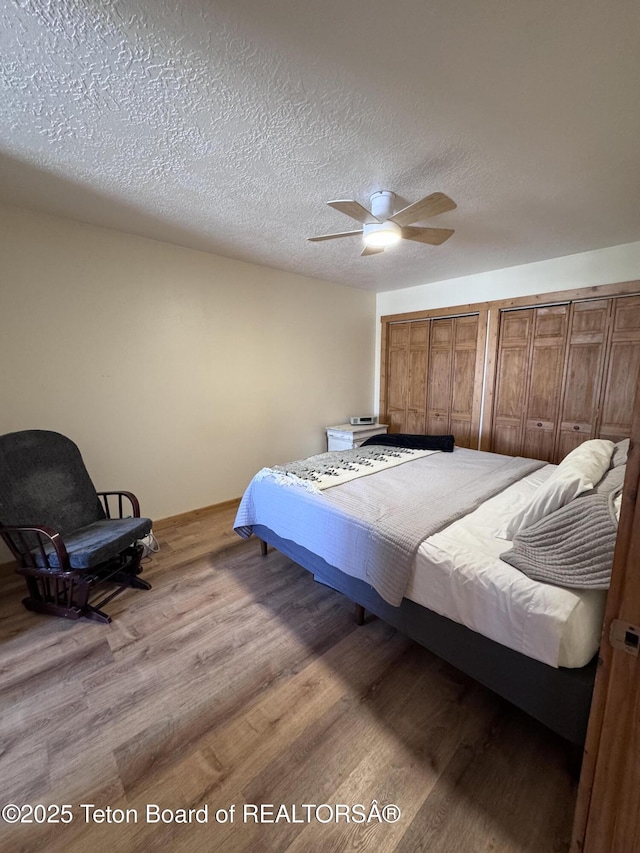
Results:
61 531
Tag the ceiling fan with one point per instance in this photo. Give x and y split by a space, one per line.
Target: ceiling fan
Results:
382 227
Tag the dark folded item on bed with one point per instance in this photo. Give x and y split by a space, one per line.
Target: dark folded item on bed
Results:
415 442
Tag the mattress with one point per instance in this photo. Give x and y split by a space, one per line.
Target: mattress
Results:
458 574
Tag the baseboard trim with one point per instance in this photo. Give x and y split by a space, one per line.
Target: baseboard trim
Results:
194 514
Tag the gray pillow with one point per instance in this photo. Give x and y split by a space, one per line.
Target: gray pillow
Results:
611 481
620 453
571 547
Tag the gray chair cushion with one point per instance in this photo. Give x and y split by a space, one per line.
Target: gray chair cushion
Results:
43 481
97 542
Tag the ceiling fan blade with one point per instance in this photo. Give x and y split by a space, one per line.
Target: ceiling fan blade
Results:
354 209
371 250
432 205
333 236
433 236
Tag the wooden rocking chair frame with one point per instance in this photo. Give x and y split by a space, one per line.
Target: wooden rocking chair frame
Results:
62 590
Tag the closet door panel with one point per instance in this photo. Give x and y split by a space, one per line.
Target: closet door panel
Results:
511 381
539 440
464 365
507 423
417 393
545 381
439 379
512 370
465 339
417 380
583 374
466 332
515 327
439 399
627 316
442 333
397 376
460 428
507 438
623 365
583 369
570 437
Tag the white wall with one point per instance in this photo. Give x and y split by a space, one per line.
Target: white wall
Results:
178 373
601 266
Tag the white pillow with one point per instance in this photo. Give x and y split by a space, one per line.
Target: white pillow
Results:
579 471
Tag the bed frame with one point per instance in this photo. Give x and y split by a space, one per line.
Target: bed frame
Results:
558 698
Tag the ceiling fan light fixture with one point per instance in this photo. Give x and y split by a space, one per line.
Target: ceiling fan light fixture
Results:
381 235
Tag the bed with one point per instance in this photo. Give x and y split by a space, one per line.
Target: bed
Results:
434 543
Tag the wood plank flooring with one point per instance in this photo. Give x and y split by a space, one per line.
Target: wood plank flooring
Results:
239 680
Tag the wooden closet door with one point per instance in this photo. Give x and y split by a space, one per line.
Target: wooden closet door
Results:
546 361
511 381
417 378
397 376
408 349
434 377
621 371
465 340
529 374
582 374
439 376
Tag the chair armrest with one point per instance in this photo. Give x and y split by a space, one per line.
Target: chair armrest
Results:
133 500
16 539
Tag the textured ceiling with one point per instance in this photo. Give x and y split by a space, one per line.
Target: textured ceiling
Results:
225 125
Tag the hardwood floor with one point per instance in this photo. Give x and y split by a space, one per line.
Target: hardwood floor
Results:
239 680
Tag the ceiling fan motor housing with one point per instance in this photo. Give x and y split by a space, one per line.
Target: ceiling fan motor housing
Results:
382 204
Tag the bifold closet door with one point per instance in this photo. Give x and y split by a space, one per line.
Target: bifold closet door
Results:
565 373
451 378
431 377
529 375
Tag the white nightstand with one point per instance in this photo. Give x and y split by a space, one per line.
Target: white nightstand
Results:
347 436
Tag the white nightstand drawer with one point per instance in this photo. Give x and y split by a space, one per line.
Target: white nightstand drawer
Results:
346 436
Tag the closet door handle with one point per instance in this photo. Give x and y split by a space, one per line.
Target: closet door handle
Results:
539 423
576 427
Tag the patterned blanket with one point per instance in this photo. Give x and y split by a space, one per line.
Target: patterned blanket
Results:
340 466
